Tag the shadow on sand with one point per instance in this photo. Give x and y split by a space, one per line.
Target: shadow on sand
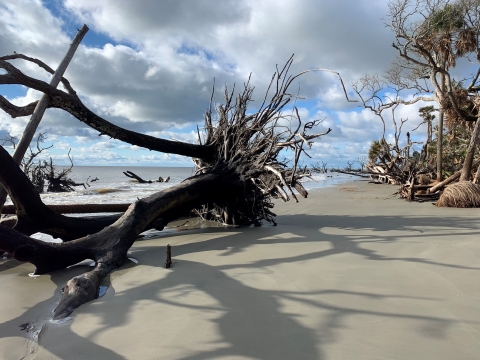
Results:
252 323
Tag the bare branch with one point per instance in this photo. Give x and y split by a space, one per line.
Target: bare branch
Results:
41 64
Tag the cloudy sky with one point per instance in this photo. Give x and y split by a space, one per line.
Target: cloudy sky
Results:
148 66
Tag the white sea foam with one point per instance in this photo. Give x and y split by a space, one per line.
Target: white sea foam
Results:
113 187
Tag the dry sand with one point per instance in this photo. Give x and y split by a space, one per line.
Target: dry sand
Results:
346 274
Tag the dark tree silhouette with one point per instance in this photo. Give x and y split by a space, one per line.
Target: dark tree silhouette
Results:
238 172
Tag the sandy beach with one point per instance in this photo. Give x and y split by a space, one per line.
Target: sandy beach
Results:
348 273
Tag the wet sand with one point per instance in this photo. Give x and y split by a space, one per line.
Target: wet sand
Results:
346 274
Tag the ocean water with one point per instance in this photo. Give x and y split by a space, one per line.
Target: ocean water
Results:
113 187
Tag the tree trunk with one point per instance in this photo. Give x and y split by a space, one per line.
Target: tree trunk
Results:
108 248
429 139
239 174
440 127
33 215
449 180
476 180
440 146
472 146
77 208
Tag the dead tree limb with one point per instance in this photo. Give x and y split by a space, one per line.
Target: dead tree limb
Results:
108 247
136 177
450 179
77 208
73 105
33 215
238 173
41 106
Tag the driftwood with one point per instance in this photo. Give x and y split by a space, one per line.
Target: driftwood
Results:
136 177
239 171
160 179
77 208
108 248
168 262
451 178
34 216
59 184
363 174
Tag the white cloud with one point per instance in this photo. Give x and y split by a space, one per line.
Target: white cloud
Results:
156 73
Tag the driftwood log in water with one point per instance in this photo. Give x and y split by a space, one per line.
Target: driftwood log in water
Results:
240 166
132 175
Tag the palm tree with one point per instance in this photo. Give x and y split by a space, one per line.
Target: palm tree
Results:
448 37
427 116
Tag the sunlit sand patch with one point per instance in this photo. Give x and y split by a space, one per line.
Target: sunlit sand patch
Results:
282 236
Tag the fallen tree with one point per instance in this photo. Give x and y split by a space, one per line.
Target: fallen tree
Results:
238 172
132 175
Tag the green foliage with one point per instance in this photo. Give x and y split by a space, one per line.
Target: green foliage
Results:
447 19
455 143
374 151
426 113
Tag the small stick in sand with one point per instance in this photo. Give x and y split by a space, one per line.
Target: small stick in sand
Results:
168 263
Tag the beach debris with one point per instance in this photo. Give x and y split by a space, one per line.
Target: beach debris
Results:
160 179
136 177
463 194
244 159
28 327
168 262
74 209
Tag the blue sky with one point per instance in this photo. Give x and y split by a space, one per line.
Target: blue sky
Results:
148 66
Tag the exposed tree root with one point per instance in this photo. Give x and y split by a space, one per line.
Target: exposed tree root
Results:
239 171
463 194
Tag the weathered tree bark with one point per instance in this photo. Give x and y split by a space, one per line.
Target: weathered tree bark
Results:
41 106
238 173
71 103
108 247
472 146
476 180
168 261
77 208
440 146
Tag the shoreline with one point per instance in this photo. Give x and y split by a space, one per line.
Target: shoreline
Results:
347 273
